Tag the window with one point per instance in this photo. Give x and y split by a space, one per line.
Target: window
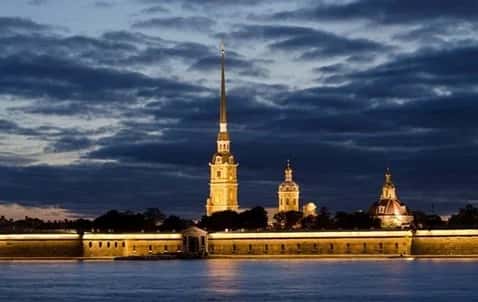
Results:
380 246
218 173
233 248
381 209
108 244
364 247
123 244
266 248
100 244
348 247
315 246
150 248
331 246
282 248
211 248
250 248
90 244
298 246
116 244
165 248
396 245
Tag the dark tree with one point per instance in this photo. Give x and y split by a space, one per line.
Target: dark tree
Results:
465 218
309 222
174 224
359 220
289 219
422 220
114 221
253 219
323 219
220 221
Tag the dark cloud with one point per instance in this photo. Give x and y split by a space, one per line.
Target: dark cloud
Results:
45 76
16 25
387 12
308 42
178 23
104 4
155 9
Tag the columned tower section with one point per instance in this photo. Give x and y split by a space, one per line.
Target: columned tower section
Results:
288 193
223 167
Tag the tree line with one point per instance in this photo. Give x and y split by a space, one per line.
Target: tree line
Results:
255 219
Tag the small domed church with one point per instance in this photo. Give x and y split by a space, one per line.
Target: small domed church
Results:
389 209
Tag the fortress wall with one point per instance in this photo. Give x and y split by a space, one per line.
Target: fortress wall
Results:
445 242
311 243
139 244
40 245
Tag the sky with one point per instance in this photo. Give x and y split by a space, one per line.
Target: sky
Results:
113 104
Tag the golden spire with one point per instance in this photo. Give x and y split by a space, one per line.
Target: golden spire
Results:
223 111
288 172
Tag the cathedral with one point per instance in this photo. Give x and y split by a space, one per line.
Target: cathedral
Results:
389 209
223 166
223 185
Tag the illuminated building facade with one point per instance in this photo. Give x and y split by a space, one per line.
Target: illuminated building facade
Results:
288 193
223 184
389 209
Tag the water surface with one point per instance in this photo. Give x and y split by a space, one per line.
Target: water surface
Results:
240 280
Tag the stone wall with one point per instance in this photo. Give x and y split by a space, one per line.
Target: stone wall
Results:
142 244
391 243
40 246
261 244
445 243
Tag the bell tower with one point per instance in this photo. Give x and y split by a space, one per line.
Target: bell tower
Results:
288 193
223 167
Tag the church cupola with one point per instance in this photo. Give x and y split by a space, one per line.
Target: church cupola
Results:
288 193
389 209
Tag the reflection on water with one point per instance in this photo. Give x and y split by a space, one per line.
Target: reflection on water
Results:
221 276
240 280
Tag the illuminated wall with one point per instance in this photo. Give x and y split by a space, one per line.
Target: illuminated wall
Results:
118 245
40 245
311 243
261 244
446 242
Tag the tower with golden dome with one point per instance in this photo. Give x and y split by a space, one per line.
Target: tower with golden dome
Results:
223 184
389 209
288 193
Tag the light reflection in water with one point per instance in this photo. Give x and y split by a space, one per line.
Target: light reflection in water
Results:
222 276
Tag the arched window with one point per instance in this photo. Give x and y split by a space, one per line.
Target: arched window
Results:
218 173
116 244
100 244
108 244
90 244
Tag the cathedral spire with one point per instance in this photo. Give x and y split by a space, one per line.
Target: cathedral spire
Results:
223 109
223 142
388 189
288 172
